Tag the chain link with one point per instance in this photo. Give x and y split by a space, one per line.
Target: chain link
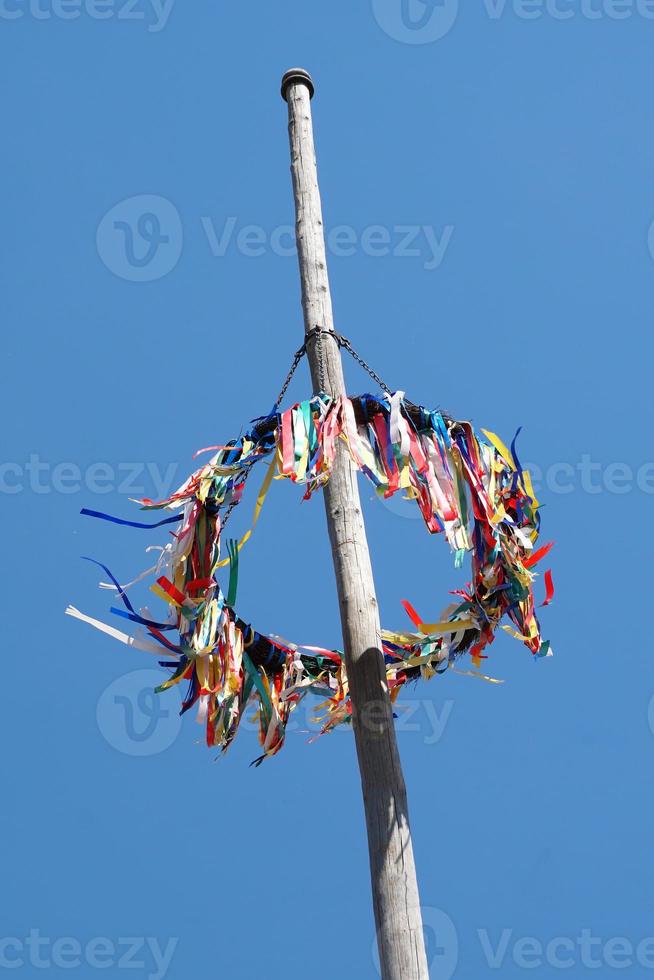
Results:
316 333
234 502
228 514
299 354
321 362
344 342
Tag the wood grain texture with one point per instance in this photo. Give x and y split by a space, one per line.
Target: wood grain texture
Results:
394 885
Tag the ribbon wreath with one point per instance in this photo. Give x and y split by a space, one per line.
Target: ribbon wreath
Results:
472 490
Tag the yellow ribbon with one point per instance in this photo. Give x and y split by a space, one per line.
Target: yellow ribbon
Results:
430 629
501 448
265 487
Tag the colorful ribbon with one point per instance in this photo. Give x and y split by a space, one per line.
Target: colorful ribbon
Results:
472 491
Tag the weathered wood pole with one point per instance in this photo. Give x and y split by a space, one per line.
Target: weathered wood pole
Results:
394 885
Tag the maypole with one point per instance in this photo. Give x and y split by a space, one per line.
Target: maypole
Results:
394 884
472 491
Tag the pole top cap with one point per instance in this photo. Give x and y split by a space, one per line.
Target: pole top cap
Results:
295 76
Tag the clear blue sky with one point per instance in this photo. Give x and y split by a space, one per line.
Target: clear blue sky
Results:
520 151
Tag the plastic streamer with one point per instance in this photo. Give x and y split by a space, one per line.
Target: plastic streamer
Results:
471 490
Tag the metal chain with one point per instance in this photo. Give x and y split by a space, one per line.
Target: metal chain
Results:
228 514
344 342
233 503
299 354
225 517
321 363
315 332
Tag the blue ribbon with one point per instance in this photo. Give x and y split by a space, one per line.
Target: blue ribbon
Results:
119 520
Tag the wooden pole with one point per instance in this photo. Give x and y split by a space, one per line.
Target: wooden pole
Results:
394 885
